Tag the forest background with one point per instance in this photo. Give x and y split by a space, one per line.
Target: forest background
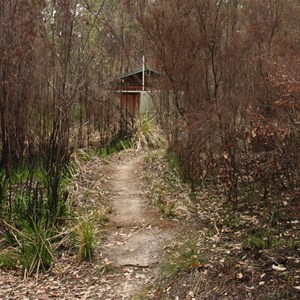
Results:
232 120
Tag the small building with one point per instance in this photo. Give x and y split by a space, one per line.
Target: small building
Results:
135 94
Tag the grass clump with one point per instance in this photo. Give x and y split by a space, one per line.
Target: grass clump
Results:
142 295
147 134
175 163
167 209
8 259
116 145
260 239
33 248
182 257
151 157
33 206
85 237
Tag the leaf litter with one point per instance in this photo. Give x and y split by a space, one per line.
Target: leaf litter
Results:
242 256
70 278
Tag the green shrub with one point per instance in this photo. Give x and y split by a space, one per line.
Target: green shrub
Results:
33 249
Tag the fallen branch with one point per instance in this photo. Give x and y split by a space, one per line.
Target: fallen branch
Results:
135 233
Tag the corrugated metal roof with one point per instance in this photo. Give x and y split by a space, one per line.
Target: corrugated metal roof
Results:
139 70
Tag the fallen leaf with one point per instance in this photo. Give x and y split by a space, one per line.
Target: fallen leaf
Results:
191 294
279 268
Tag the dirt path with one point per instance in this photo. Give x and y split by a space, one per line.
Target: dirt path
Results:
137 234
125 262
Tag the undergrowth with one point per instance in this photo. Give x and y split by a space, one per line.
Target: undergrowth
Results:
85 236
148 135
166 189
34 204
243 243
116 145
182 256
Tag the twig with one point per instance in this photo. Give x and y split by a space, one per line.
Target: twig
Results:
217 229
106 161
123 146
130 236
138 266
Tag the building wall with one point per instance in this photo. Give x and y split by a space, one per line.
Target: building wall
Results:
149 101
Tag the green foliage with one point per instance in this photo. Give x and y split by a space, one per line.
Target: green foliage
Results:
293 245
182 257
277 215
106 267
115 146
23 194
3 192
260 239
33 193
232 220
175 162
33 250
21 172
33 202
8 259
30 205
85 235
78 112
101 152
151 157
167 209
142 295
148 134
110 210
